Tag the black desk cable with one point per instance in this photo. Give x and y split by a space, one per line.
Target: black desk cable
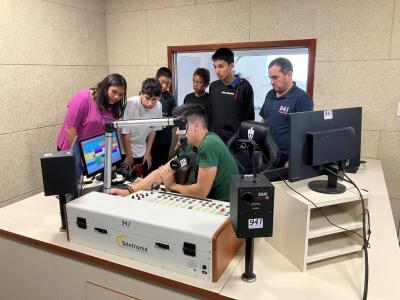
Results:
365 219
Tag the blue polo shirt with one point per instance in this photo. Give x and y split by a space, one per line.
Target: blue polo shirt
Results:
275 111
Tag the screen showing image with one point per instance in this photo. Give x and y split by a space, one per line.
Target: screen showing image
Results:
93 153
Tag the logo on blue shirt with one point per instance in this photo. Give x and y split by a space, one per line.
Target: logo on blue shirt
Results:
284 109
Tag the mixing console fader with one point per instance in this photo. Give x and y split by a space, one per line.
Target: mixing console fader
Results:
177 200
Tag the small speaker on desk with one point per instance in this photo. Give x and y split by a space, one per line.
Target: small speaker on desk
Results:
58 173
251 206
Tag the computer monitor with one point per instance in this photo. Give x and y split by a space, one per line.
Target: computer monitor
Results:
324 139
74 149
93 153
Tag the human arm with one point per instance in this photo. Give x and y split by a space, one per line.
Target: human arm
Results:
126 141
76 112
149 145
209 110
146 183
201 189
248 103
71 134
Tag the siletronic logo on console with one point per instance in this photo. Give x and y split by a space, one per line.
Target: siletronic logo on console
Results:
122 242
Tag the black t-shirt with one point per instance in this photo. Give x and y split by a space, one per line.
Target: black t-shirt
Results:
202 100
164 136
229 105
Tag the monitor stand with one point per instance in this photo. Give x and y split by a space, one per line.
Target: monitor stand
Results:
330 186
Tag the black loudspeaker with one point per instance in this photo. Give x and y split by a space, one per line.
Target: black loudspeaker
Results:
58 173
251 206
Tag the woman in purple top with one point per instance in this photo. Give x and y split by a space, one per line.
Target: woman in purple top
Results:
90 109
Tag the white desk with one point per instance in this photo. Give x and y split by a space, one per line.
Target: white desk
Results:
37 262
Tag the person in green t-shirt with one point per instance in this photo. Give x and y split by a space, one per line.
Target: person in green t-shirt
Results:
215 162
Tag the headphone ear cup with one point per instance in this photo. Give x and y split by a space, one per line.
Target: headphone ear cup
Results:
128 174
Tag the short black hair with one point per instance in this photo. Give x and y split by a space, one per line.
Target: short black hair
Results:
204 74
164 71
191 111
151 87
225 54
283 63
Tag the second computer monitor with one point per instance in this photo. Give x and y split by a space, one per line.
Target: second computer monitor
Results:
93 153
321 139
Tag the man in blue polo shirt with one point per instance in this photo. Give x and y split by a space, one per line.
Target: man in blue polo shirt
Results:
284 98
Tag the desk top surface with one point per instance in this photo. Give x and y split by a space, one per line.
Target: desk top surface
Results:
36 220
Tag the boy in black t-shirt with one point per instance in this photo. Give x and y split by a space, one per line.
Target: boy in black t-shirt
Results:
162 141
201 80
231 98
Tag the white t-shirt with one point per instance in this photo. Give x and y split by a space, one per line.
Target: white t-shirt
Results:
135 110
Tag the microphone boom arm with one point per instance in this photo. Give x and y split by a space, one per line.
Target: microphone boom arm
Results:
110 127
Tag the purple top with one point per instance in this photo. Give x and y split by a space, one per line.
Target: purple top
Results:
85 116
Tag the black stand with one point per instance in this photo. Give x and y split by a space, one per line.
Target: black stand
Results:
330 186
248 275
62 200
100 177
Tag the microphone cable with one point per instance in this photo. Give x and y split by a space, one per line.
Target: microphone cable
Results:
365 218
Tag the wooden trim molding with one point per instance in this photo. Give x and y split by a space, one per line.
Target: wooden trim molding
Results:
311 44
97 261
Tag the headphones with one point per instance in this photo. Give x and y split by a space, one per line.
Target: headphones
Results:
127 174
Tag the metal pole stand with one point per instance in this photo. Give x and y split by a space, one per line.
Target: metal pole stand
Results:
248 275
62 200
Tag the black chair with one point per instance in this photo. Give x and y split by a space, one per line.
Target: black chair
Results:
266 156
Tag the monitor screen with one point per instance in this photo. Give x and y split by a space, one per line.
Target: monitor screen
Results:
321 139
93 153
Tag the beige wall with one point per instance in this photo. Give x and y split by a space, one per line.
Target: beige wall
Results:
48 50
358 52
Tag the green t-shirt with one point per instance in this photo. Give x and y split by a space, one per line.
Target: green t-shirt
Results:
214 153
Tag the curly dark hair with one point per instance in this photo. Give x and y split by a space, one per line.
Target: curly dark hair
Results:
151 87
100 94
204 74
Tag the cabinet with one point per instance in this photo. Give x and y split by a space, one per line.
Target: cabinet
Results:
303 235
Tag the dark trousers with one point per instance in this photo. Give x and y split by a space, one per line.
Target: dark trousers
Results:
159 156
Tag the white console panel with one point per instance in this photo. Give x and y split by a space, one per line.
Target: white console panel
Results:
187 241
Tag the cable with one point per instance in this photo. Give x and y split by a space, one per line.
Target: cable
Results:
365 240
365 211
320 210
366 233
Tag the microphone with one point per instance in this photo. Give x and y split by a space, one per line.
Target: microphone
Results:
184 161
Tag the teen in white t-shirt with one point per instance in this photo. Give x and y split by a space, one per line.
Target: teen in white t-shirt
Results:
138 141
